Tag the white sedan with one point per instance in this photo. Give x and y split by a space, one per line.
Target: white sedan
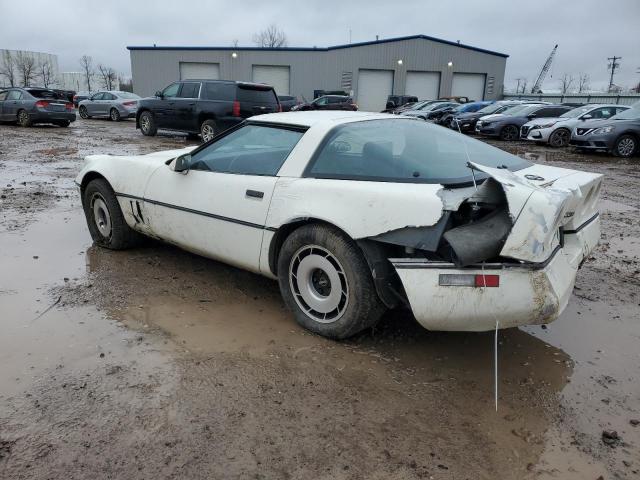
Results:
354 213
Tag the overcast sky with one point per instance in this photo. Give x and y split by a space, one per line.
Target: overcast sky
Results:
587 31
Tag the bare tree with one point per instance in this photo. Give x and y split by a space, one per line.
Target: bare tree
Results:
26 66
125 84
46 73
524 85
235 43
109 76
566 83
272 37
584 82
86 63
8 68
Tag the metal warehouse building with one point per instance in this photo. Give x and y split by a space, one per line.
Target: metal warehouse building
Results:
418 65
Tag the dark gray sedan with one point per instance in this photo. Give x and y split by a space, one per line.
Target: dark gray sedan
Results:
113 104
507 125
30 105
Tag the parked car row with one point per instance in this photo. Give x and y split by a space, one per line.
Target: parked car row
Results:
30 105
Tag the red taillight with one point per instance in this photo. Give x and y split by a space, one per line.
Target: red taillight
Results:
69 106
42 104
487 280
75 97
236 108
130 104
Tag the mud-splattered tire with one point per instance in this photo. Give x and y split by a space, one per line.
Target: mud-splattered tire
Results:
106 223
509 133
24 120
83 112
560 138
326 282
626 146
148 125
114 115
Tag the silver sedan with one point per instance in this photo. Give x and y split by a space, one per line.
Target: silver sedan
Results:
113 104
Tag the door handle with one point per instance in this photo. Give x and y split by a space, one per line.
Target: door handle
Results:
254 194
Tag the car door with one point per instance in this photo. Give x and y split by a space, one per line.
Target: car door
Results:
12 104
185 107
106 103
164 106
93 104
218 207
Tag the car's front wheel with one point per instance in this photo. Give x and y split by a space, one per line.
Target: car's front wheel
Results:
326 282
509 133
148 124
560 138
114 114
83 112
626 146
106 222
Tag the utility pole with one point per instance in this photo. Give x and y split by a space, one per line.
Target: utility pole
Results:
613 64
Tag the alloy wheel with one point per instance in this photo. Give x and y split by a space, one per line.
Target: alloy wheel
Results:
559 138
318 283
626 147
207 132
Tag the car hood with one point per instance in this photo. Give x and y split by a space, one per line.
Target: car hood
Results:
545 120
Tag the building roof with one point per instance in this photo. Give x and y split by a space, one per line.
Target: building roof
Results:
324 49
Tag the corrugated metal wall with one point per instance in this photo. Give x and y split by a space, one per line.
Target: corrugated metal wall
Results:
153 69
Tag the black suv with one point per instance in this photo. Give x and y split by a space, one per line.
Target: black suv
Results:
206 107
328 102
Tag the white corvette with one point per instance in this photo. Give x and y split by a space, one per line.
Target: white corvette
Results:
354 213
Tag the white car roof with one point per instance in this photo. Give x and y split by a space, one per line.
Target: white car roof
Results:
327 117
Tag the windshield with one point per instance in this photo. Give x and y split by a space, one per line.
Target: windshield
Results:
127 95
495 107
630 114
520 110
576 112
404 150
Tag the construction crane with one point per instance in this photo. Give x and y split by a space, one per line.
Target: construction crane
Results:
543 72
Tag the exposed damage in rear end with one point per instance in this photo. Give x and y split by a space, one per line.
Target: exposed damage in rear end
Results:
505 250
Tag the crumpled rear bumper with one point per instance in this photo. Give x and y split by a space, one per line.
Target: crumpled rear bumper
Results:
528 293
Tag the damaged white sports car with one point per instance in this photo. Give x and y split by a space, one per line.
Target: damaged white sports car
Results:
354 213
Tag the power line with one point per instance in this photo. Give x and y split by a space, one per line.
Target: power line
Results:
613 64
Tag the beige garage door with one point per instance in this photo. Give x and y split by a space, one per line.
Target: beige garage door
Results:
424 85
468 85
374 86
275 75
199 70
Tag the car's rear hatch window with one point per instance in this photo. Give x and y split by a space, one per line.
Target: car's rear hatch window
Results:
255 99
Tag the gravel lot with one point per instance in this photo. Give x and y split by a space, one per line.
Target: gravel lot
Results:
155 363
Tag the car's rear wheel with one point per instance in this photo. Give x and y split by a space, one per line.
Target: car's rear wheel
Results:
560 138
83 112
208 130
63 123
148 125
23 119
326 282
509 133
114 114
626 146
106 222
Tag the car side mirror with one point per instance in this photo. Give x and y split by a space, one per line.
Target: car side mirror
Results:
586 117
159 94
182 163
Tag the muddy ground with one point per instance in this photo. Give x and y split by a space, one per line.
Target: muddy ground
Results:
155 363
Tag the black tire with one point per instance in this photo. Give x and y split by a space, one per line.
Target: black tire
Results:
560 138
101 206
63 123
626 146
114 115
509 133
82 110
343 268
208 130
148 125
24 120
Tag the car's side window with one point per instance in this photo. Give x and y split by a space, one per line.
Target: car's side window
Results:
98 96
219 91
189 90
108 96
249 150
321 101
171 90
14 95
3 96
